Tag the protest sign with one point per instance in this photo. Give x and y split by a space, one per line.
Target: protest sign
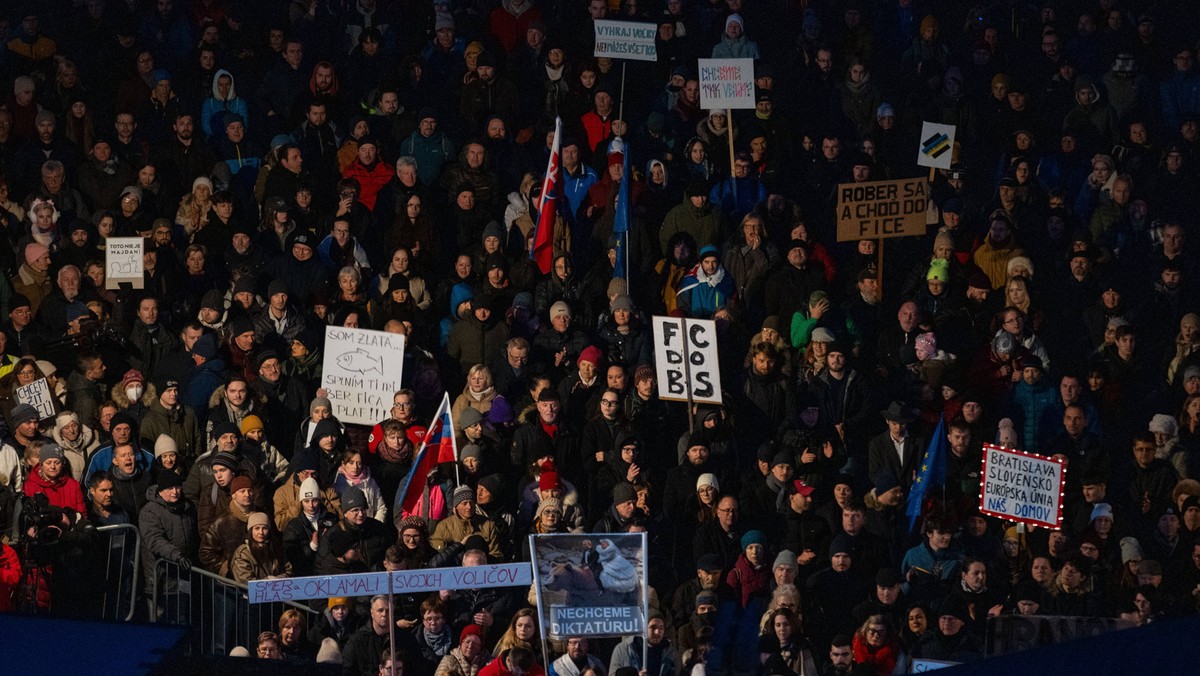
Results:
1014 633
937 146
590 584
361 371
881 209
726 84
1019 486
123 262
685 356
402 582
626 40
37 394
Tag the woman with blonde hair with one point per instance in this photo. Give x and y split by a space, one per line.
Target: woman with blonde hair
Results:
521 633
192 214
478 393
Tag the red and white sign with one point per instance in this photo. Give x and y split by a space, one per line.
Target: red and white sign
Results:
1022 487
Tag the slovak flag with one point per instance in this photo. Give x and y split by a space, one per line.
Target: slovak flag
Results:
439 446
543 238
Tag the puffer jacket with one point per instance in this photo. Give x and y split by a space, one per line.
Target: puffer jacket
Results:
62 491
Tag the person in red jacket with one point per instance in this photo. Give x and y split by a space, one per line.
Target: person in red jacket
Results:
50 477
10 576
508 22
513 661
370 173
751 576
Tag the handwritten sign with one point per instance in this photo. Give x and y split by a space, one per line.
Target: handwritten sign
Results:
402 582
881 209
123 262
677 339
936 146
361 370
626 40
37 394
726 83
1019 486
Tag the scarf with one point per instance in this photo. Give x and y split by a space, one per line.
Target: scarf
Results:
555 74
435 645
122 475
355 479
397 456
480 396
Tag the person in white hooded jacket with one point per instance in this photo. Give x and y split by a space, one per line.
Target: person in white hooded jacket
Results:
224 100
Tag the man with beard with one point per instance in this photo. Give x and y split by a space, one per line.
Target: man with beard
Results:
182 159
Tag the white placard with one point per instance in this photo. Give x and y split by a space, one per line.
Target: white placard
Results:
37 394
633 40
1019 486
123 262
936 147
697 338
726 83
361 371
403 582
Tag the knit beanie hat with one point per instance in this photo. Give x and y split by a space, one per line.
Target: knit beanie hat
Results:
164 445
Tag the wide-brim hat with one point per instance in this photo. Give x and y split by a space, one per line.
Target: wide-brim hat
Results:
898 412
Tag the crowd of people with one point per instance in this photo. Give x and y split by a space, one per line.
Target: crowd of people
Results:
380 164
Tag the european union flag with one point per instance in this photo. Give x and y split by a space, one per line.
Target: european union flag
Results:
621 220
930 474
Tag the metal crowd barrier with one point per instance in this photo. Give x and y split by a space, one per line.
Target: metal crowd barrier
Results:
122 571
216 608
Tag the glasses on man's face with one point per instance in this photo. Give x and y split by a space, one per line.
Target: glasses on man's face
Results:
731 510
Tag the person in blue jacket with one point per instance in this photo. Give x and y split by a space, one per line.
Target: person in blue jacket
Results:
707 288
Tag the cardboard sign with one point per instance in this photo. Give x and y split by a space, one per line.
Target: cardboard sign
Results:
726 84
1014 633
677 339
123 262
937 145
37 394
361 370
631 40
590 584
881 209
1019 486
402 582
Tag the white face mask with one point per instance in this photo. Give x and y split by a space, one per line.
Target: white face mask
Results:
134 392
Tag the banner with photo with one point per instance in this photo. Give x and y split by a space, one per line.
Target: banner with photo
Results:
590 585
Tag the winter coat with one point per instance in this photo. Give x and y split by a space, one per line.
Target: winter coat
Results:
221 539
630 349
77 451
178 423
746 581
84 397
297 541
252 561
454 529
376 506
474 342
212 113
628 653
62 491
287 503
455 664
168 532
705 224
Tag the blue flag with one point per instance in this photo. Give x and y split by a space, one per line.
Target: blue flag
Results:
930 473
621 217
